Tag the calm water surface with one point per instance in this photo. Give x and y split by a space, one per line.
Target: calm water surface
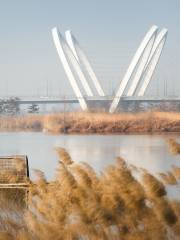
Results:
147 151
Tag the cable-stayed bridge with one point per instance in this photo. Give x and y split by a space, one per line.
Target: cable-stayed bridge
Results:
88 91
133 85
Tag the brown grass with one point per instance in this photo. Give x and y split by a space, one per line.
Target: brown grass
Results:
176 171
174 146
168 178
79 204
103 123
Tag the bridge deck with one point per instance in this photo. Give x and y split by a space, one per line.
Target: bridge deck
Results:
40 100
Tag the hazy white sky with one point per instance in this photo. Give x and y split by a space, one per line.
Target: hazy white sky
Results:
108 30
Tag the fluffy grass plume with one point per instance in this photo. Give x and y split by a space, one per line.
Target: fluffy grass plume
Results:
174 146
79 204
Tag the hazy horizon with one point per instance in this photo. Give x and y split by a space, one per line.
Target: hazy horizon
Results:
108 31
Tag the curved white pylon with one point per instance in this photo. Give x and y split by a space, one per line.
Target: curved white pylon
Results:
153 60
76 66
80 56
132 66
141 66
62 56
70 41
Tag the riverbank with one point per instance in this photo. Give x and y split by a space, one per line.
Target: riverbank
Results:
94 123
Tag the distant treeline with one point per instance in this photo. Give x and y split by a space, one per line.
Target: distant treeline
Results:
9 106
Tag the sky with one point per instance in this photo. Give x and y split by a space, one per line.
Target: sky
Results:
109 32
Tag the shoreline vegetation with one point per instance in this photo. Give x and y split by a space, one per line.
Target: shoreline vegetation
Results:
79 204
94 123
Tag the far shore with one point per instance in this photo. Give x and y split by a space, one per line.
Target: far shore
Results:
94 123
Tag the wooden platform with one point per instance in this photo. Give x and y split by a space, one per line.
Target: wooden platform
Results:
14 179
14 171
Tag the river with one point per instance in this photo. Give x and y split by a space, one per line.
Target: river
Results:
147 151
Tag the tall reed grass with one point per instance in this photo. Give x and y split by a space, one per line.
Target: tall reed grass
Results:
174 146
79 204
79 122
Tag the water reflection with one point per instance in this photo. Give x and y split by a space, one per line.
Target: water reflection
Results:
146 151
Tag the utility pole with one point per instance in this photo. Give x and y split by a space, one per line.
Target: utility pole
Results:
47 88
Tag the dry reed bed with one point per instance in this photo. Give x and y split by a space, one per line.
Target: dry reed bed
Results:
103 123
79 204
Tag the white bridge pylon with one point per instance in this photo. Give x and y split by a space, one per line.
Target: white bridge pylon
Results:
59 46
69 51
81 58
137 76
143 65
153 60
